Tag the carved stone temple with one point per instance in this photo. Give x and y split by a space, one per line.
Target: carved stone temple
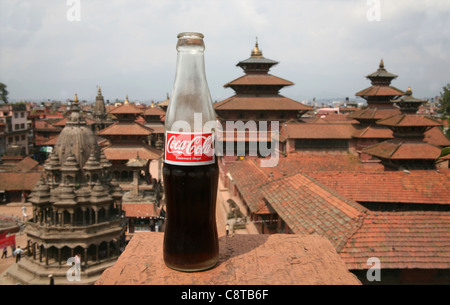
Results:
77 211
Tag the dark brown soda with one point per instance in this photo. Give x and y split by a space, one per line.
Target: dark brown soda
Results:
190 234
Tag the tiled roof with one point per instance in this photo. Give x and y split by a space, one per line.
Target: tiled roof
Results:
436 137
373 113
246 136
373 132
259 79
398 150
42 125
62 122
401 240
141 210
337 118
156 127
153 111
40 140
272 102
51 142
248 177
380 91
125 128
415 186
18 181
27 164
127 152
126 108
318 131
408 120
306 162
308 207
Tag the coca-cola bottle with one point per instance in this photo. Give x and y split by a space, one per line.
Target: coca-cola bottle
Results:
190 169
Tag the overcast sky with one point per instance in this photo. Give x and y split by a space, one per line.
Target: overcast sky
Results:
128 46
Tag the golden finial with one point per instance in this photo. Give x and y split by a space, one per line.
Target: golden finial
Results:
382 63
153 104
256 51
126 100
99 90
76 98
409 91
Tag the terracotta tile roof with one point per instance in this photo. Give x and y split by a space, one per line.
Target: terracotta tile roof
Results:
417 186
338 118
435 136
401 240
62 122
380 91
126 108
141 210
153 111
50 142
156 127
317 131
27 164
272 102
42 125
127 152
408 120
373 132
164 103
40 140
19 181
259 79
325 161
308 207
248 177
373 113
247 136
399 150
125 128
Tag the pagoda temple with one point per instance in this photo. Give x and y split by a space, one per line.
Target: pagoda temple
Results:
77 211
126 138
379 106
152 116
378 97
257 97
407 149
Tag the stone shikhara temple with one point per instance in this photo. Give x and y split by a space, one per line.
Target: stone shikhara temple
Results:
77 210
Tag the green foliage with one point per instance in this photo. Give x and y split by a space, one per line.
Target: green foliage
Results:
445 152
444 109
3 93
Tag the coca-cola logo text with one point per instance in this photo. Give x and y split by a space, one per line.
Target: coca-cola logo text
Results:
187 145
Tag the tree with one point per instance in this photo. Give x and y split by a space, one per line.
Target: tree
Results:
444 109
3 93
445 152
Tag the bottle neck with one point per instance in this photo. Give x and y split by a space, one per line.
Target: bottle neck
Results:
190 96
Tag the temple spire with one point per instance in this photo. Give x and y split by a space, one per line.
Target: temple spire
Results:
256 51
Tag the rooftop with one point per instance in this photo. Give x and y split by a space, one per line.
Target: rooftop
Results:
309 207
252 259
259 79
271 102
405 240
415 186
317 131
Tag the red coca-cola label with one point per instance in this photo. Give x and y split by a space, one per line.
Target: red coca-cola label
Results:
189 148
